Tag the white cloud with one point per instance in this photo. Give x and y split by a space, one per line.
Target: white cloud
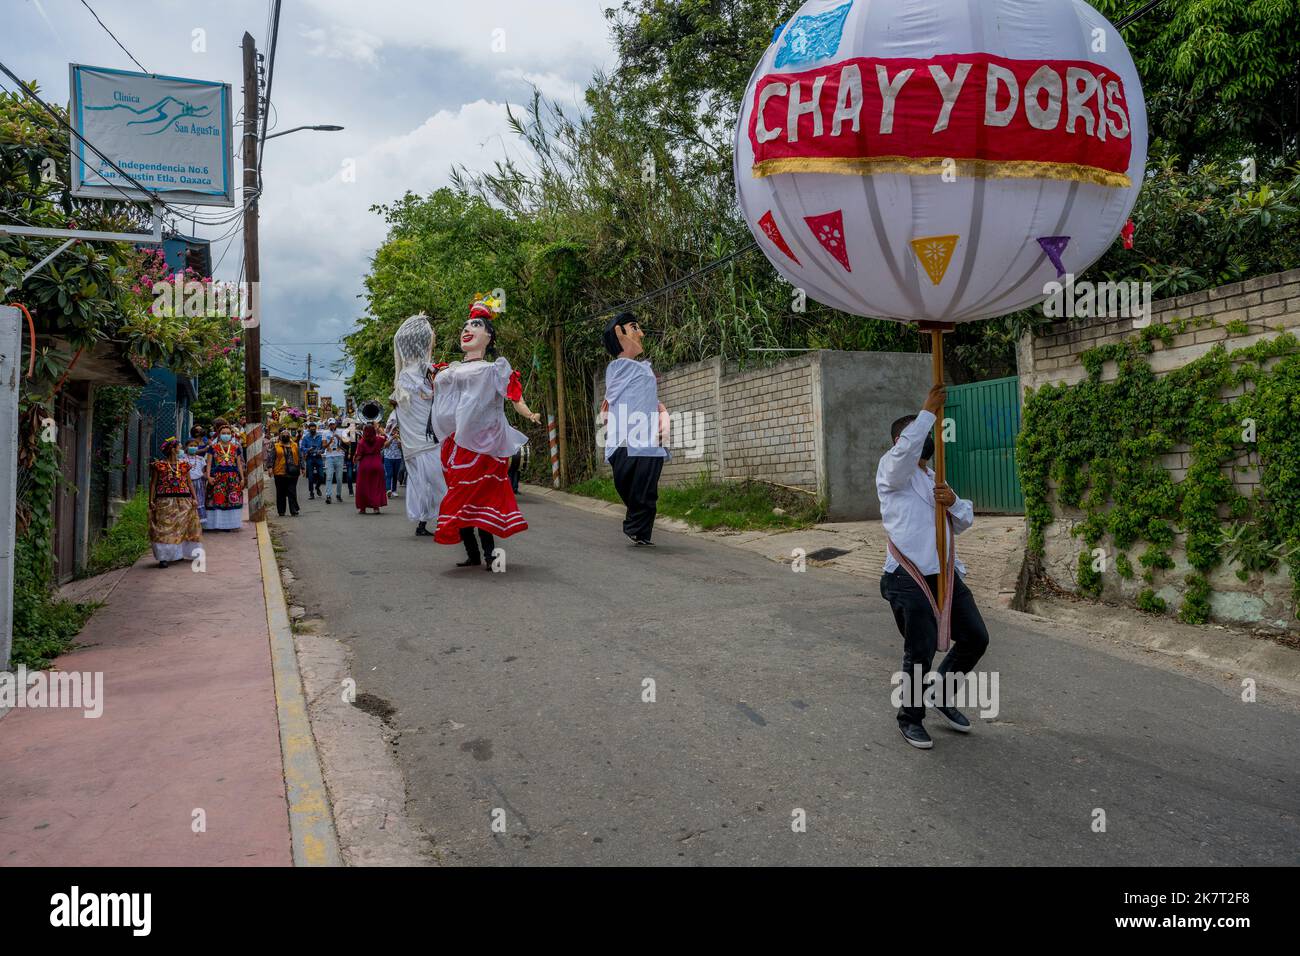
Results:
533 34
343 43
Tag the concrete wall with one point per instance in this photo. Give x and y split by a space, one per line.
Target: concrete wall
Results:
862 393
1268 305
817 422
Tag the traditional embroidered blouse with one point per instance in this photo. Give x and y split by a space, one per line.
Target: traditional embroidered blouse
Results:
172 479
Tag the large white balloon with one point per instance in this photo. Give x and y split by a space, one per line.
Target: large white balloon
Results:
939 160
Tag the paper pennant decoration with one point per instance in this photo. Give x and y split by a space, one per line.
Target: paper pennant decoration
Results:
1054 246
768 224
1127 233
935 252
828 228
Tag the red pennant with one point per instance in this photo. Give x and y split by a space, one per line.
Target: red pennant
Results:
1127 233
768 224
828 228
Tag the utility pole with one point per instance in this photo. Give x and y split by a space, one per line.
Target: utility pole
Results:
559 403
252 273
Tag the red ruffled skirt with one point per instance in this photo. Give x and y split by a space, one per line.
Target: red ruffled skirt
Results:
478 495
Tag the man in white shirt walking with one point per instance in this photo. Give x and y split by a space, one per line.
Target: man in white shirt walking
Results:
908 497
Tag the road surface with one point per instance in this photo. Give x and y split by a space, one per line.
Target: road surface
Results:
519 698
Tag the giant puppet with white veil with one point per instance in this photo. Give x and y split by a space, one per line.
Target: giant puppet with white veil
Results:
413 393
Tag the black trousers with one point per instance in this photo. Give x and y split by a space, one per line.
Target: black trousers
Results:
286 492
467 537
637 482
920 630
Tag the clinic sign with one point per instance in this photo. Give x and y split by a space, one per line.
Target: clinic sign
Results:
172 135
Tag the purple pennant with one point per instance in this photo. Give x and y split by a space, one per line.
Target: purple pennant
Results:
1054 246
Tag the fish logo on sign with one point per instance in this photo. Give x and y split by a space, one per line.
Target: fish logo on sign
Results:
813 37
160 115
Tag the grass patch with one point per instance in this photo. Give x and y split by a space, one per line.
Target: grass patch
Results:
122 545
44 628
713 505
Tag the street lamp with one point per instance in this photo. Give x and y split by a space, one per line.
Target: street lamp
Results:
323 129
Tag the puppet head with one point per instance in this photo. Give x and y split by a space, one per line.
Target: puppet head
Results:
412 349
623 336
479 335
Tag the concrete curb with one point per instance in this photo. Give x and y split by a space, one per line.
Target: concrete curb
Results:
311 824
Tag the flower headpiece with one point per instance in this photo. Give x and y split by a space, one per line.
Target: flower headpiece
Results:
485 306
169 444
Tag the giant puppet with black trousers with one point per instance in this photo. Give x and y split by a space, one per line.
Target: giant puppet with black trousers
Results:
636 427
478 442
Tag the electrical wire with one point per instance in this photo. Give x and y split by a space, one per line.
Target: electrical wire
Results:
1125 21
110 33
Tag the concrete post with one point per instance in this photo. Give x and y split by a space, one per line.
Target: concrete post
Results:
11 353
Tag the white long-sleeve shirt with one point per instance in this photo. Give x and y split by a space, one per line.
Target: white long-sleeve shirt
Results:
907 501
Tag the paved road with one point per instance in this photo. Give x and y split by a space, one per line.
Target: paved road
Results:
523 692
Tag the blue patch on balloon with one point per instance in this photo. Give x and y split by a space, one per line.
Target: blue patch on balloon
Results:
813 37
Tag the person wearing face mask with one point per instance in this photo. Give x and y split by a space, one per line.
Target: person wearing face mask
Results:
908 498
286 465
225 482
332 440
197 461
468 410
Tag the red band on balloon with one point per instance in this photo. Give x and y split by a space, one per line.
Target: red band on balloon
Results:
971 114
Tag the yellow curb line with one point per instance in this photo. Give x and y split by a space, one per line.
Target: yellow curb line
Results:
311 824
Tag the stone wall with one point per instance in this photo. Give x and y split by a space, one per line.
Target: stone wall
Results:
1267 306
811 422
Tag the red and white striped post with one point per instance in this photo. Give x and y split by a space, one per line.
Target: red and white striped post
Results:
552 433
255 472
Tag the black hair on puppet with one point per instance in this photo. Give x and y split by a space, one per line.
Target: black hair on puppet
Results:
610 338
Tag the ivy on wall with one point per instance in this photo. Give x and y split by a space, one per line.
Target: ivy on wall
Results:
1096 446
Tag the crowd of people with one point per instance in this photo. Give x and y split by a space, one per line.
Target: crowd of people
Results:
199 485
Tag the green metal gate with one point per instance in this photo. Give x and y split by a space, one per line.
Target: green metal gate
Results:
981 458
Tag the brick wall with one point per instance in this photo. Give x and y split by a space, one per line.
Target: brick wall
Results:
758 423
1267 305
768 424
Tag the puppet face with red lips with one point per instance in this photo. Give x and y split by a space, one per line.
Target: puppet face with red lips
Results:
474 338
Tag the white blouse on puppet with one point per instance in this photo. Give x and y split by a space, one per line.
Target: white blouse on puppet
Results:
469 401
413 413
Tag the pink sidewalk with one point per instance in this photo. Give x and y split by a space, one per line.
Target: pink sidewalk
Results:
189 723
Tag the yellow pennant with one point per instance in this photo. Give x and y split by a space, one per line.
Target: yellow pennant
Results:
935 252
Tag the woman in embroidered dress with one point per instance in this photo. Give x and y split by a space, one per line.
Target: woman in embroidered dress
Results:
225 482
468 410
174 531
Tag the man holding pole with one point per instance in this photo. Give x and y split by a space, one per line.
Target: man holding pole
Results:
931 602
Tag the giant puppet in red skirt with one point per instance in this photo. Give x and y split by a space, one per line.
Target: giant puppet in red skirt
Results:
468 409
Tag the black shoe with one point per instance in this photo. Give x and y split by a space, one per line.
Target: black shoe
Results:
422 532
311 497
915 735
644 542
955 718
162 564
469 562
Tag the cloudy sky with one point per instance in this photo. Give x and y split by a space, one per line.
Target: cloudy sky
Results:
420 85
